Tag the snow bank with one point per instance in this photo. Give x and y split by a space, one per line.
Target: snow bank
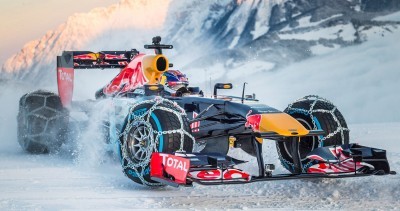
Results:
392 17
361 80
346 32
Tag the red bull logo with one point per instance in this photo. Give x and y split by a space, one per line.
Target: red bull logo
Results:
254 121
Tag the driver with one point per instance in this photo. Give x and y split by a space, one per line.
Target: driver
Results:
175 83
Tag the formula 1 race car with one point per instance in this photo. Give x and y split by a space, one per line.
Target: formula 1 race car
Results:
167 133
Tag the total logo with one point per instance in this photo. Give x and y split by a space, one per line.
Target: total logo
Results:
174 163
64 76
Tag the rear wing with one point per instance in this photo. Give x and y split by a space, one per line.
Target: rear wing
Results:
70 60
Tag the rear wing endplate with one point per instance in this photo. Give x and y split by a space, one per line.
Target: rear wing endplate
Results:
70 60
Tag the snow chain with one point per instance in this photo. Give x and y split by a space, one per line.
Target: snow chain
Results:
32 113
340 129
134 120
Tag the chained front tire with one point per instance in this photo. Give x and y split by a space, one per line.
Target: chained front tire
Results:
314 113
143 134
42 122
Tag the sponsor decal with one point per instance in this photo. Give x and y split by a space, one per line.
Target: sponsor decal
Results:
123 63
195 125
174 162
64 76
111 56
263 109
175 167
218 174
85 56
65 81
343 164
253 121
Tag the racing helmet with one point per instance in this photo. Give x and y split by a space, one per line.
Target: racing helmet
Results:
174 79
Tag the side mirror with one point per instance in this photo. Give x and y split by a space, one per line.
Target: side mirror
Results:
221 86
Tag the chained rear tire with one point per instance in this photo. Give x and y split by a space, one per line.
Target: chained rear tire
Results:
130 144
42 122
315 113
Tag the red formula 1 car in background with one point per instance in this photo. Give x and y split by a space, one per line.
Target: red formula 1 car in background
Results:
166 132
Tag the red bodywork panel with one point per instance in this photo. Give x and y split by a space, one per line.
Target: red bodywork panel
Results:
343 164
65 80
182 168
218 174
253 121
137 70
162 164
132 76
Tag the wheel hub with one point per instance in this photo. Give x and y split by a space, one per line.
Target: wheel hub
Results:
138 141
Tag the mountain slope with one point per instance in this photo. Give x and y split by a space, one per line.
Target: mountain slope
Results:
361 79
116 27
296 30
211 32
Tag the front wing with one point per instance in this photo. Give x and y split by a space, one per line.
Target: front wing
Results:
183 169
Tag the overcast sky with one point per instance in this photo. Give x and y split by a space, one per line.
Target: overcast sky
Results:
24 20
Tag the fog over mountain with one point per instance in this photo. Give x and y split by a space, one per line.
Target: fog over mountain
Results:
115 27
287 47
226 32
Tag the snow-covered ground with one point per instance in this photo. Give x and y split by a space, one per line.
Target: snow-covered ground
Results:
56 182
66 181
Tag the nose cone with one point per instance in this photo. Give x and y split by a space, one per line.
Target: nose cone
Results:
280 123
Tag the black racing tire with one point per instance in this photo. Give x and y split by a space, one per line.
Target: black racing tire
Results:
42 122
313 113
159 120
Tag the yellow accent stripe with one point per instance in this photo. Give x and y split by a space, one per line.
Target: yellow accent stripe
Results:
283 124
260 140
